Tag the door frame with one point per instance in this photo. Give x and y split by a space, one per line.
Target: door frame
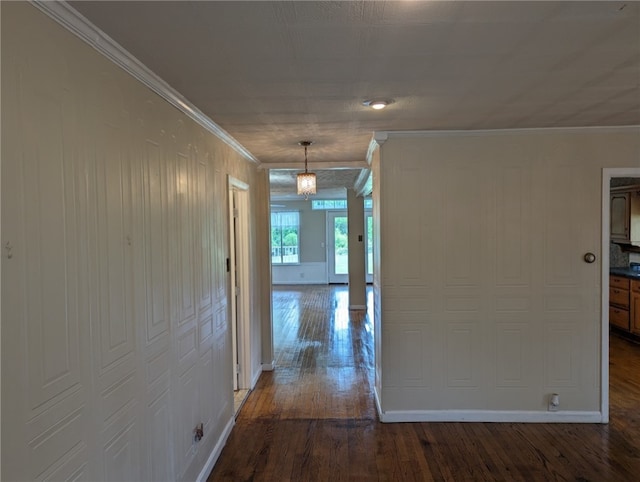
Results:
239 268
607 175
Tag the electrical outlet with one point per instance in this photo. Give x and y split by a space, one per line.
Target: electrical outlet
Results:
554 402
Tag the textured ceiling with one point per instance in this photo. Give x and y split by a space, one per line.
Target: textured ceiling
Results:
330 183
274 73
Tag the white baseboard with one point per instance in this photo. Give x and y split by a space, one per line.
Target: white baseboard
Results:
510 416
215 453
268 367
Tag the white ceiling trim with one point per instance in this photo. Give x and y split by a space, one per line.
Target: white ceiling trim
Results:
364 184
384 135
378 138
77 24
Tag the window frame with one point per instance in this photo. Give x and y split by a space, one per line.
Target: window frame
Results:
279 225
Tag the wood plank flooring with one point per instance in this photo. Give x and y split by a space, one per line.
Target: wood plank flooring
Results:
313 418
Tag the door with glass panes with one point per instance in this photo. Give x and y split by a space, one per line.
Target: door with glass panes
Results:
338 246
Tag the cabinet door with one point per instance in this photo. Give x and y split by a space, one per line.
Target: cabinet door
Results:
619 297
620 216
619 317
635 312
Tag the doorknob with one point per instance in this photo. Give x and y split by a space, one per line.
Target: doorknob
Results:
589 258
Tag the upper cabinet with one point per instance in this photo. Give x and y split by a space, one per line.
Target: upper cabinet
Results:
625 215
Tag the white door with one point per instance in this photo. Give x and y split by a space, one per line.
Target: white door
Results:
240 286
338 247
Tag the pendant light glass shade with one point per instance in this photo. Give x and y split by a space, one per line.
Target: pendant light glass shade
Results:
306 183
306 179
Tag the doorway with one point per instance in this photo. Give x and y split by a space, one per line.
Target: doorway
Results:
240 287
368 234
338 247
607 177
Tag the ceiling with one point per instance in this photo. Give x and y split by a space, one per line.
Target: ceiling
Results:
274 73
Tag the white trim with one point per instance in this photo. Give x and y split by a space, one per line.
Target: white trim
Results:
240 258
215 452
510 416
376 398
357 307
363 184
378 138
80 26
238 183
269 367
607 175
330 216
255 378
373 145
381 136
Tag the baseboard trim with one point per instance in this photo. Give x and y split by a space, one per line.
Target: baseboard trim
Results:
269 367
217 450
509 416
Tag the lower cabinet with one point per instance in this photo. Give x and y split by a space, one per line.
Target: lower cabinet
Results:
619 317
635 307
619 302
624 304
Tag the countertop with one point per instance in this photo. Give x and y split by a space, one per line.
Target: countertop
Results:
626 272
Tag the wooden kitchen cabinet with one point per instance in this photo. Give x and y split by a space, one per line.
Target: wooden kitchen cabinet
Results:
620 217
634 319
619 302
625 215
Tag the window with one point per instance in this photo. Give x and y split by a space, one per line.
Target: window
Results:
337 203
285 230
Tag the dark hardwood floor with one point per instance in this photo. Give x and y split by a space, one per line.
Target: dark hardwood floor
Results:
313 418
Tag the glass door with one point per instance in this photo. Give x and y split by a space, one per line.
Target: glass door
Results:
338 247
368 223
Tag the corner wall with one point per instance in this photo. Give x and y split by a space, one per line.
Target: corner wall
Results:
486 304
115 333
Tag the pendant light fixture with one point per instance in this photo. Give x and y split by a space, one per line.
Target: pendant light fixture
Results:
306 179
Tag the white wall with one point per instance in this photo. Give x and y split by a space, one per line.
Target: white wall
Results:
484 303
115 330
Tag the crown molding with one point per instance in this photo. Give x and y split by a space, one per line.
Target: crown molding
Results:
74 22
378 138
364 184
385 135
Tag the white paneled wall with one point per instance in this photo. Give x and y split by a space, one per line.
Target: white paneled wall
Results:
115 330
483 301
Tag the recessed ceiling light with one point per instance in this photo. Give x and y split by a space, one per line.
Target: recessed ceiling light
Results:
377 104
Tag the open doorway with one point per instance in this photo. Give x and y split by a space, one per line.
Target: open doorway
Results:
239 289
338 246
621 289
